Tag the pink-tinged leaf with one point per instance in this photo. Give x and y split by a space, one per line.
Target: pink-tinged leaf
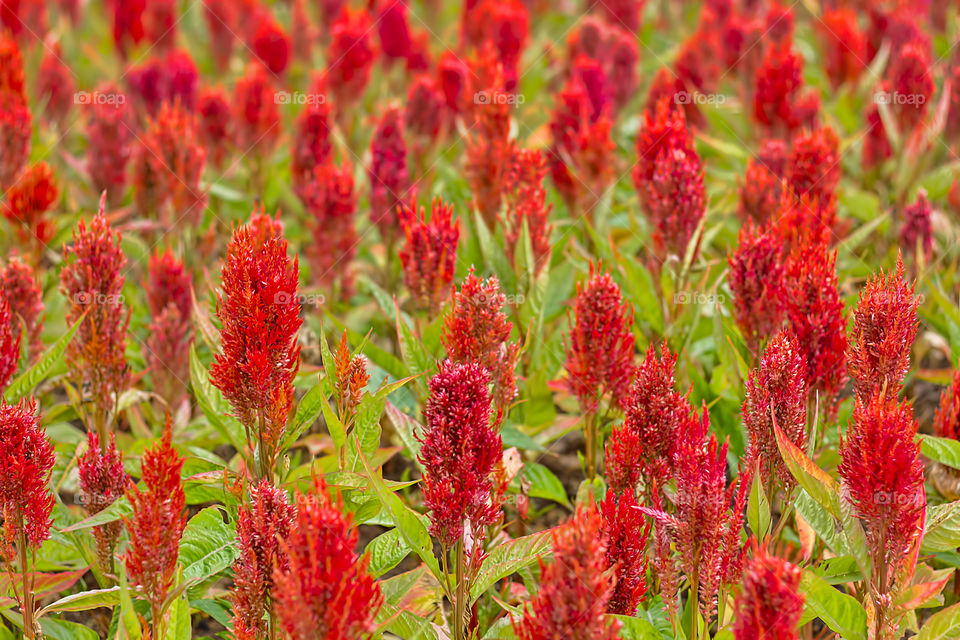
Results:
917 594
808 537
814 480
45 584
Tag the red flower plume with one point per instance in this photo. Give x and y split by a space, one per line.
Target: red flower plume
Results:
110 135
102 481
351 56
388 172
258 116
946 422
215 123
430 253
757 281
15 133
55 85
916 232
762 183
330 201
527 204
26 461
845 46
626 531
22 291
769 605
28 200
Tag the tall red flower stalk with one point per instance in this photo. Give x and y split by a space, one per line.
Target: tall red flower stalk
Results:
760 190
769 604
600 349
845 46
813 168
110 135
9 342
350 55
323 590
330 201
477 329
389 175
265 519
215 120
777 101
423 116
92 281
916 232
883 480
776 395
221 18
312 147
527 208
27 202
15 135
626 531
576 588
55 85
259 312
757 280
459 449
26 462
270 43
22 292
884 326
430 254
102 481
911 80
171 332
946 421
155 527
258 115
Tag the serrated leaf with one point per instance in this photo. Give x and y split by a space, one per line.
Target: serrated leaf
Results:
508 558
207 545
386 551
26 382
83 601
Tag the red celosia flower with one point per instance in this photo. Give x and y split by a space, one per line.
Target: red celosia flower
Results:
128 28
396 41
92 280
180 78
455 82
575 588
769 606
351 380
221 17
389 176
600 344
776 395
626 531
813 166
845 56
779 22
912 84
897 24
350 56
946 422
505 23
668 86
25 298
168 347
527 206
331 204
459 448
697 63
257 111
168 283
325 590
622 459
102 482
916 233
15 132
312 143
756 279
157 522
622 60
26 461
625 13
669 179
430 254
110 136
145 82
477 330
160 22
302 32
215 123
423 113
881 469
761 187
262 522
259 313
777 88
271 44
9 342
11 65
28 200
815 314
876 144
55 85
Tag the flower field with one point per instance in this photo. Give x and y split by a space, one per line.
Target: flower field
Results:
495 319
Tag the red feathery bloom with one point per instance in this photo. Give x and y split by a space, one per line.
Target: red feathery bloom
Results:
626 531
756 280
26 462
884 326
881 469
622 459
845 56
897 24
128 28
351 56
916 233
25 298
779 22
423 114
259 313
622 60
876 144
55 86
455 82
92 281
351 380
669 179
15 133
11 65
575 588
215 123
396 41
156 525
776 394
312 142
302 33
477 330
527 205
221 18
271 44
145 82
28 200
160 23
911 80
9 342
761 188
946 422
505 23
325 590
168 283
102 482
769 606
181 78
600 344
593 79
262 523
430 254
625 13
813 166
816 318
168 347
777 88
110 137
389 176
459 450
258 116
331 204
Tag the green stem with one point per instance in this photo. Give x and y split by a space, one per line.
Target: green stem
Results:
460 596
694 599
27 602
590 434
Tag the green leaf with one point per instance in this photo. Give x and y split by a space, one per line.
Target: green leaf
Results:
29 379
544 484
386 551
308 410
637 629
943 625
84 601
842 613
758 508
508 558
207 546
814 480
943 450
62 630
942 530
117 510
214 405
408 429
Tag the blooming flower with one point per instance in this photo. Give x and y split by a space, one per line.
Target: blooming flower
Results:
28 200
25 298
9 342
352 379
55 85
459 448
777 103
876 144
946 421
102 482
221 19
424 111
757 281
430 253
325 590
388 172
813 166
769 605
215 123
263 522
331 204
626 533
845 46
505 23
396 41
168 347
912 84
15 132
271 44
884 326
916 233
110 136
258 116
455 82
160 23
575 588
350 56
527 206
128 29
26 462
312 144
